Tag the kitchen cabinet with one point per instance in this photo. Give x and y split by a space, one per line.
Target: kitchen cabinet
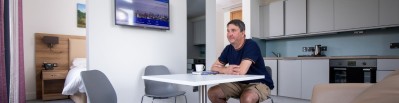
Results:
276 18
320 16
389 12
295 17
273 65
354 14
199 32
289 78
385 67
264 21
313 72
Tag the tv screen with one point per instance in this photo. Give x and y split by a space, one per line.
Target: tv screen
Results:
142 13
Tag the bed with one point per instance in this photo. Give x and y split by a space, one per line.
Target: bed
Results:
77 61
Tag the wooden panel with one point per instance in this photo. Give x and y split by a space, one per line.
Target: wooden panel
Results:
236 15
54 96
54 74
58 54
77 49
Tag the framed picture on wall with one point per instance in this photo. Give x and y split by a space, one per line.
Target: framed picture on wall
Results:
81 15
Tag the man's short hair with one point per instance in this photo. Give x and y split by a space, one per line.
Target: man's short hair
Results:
238 23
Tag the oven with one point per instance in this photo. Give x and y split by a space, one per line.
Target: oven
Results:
353 70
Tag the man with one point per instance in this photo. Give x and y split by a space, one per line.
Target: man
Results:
243 56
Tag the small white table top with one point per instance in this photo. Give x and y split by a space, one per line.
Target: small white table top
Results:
198 80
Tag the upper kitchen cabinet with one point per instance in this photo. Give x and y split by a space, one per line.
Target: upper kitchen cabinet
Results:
295 17
389 12
320 16
199 32
355 14
264 21
276 18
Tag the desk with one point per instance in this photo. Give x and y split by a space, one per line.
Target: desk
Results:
201 80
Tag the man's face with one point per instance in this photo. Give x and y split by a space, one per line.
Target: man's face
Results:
234 34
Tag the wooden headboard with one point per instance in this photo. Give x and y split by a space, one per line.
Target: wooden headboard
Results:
77 49
58 54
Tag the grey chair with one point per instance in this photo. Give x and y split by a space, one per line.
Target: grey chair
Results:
159 90
269 70
98 87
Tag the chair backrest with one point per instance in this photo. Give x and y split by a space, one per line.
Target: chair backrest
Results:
98 88
269 70
154 87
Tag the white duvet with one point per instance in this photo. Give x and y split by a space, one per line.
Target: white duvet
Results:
73 81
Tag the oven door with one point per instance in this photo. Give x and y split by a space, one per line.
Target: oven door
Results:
352 75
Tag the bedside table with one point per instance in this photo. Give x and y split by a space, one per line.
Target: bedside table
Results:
53 83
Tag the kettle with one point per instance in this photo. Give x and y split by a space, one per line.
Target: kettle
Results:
317 50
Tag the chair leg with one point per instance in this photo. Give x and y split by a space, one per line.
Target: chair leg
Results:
175 99
270 98
185 98
152 100
142 99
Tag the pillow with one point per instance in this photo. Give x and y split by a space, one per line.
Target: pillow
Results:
385 91
79 62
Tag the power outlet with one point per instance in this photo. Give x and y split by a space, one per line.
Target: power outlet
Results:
304 49
394 46
323 48
55 64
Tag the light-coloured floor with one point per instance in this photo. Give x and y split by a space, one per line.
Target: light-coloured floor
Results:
276 99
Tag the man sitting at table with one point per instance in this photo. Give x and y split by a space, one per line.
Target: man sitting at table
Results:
243 57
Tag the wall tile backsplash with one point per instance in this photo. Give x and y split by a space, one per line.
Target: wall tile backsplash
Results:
371 42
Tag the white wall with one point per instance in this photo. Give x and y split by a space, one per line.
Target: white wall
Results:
211 53
220 28
122 53
45 16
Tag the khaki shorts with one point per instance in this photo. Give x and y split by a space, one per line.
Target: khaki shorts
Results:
235 89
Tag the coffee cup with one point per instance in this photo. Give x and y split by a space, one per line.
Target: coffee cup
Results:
199 67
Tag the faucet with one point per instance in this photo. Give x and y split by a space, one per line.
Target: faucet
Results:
276 54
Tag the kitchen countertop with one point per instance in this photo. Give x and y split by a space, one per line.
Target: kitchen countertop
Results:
332 57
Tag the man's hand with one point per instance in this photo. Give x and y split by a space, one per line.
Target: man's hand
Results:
232 69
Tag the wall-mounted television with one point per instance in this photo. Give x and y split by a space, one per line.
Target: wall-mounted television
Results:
142 13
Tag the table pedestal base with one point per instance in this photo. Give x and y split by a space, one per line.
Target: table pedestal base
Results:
203 94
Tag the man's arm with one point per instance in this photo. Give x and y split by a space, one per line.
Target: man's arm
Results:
219 67
243 67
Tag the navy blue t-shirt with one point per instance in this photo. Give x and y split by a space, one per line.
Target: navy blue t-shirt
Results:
250 51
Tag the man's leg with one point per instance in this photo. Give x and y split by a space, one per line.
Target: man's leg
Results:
255 93
222 92
216 95
249 96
